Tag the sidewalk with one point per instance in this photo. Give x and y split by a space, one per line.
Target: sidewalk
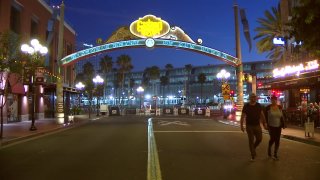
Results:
14 132
292 132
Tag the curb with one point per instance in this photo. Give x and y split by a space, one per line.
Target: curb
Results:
302 140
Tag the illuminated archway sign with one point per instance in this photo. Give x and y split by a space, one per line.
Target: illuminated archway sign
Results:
154 33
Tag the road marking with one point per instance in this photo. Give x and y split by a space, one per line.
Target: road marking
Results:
154 172
188 119
198 131
165 123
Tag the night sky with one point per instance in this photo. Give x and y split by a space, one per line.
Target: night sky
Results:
210 20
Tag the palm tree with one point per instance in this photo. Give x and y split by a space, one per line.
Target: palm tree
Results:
132 83
106 65
125 66
201 79
154 74
270 27
164 81
168 67
188 68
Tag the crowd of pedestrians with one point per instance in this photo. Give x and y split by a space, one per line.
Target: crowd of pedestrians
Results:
310 113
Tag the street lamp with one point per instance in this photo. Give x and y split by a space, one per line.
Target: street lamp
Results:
37 51
223 75
80 86
97 81
140 90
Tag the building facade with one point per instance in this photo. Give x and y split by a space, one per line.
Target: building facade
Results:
184 87
37 19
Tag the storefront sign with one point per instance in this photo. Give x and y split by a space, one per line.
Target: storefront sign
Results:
295 69
305 90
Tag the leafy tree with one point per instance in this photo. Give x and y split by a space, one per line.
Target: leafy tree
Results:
202 79
305 25
10 62
88 71
80 77
270 27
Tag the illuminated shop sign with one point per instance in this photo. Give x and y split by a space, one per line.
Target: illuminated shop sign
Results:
155 42
149 26
306 90
278 41
295 69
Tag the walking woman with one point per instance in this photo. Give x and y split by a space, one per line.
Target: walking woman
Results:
275 121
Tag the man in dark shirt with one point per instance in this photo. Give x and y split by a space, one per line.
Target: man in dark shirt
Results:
253 113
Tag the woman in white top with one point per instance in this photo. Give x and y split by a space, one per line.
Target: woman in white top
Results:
275 121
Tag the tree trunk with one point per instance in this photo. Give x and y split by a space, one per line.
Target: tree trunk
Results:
1 133
201 94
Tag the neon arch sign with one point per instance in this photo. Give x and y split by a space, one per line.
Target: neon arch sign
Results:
154 32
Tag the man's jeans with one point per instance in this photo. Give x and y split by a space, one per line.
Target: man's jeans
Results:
255 137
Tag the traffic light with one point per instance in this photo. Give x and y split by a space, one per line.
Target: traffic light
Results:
232 93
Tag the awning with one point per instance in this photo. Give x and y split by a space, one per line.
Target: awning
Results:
16 84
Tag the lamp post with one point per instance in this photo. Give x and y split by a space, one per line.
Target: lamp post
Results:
97 81
37 51
140 90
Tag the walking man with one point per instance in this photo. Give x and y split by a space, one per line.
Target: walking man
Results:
252 113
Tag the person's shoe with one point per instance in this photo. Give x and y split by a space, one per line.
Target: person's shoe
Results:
269 152
275 157
252 158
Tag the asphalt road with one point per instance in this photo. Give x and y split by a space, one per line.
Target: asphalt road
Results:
168 148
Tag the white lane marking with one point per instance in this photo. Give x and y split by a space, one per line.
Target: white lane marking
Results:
198 131
193 119
164 123
154 172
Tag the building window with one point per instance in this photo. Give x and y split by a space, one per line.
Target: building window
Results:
15 20
34 28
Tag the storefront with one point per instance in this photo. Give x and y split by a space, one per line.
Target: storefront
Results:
299 83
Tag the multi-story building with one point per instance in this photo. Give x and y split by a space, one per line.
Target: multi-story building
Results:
185 84
37 19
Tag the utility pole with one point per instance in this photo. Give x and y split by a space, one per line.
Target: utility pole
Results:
59 85
239 68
